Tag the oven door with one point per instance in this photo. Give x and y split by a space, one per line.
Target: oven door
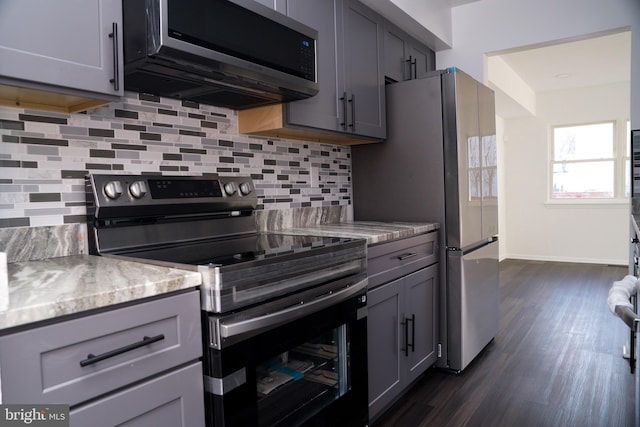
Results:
308 370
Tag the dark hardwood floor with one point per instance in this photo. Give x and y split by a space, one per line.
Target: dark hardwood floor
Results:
556 361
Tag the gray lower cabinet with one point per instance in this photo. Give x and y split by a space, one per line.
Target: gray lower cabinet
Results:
68 47
169 400
364 74
402 318
110 359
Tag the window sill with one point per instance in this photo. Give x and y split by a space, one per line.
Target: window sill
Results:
588 203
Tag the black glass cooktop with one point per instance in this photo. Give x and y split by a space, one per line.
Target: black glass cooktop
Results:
236 250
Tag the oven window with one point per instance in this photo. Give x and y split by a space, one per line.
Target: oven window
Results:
298 383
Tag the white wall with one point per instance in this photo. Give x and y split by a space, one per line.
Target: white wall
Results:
490 26
539 230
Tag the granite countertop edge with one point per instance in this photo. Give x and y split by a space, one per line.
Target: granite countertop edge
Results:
374 232
55 287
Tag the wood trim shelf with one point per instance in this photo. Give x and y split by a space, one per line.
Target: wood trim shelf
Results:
270 121
19 97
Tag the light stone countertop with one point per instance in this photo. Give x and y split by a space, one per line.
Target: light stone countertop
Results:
375 232
54 287
46 289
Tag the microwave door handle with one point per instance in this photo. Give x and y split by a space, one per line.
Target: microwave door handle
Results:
228 330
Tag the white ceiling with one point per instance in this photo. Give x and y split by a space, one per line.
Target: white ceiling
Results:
588 62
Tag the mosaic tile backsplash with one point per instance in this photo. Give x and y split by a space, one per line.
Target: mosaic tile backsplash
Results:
44 157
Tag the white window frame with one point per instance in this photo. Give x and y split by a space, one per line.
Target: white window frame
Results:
620 158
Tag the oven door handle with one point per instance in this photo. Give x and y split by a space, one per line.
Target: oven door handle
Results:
271 320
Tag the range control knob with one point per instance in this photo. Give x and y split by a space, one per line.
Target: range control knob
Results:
230 188
245 188
138 189
113 189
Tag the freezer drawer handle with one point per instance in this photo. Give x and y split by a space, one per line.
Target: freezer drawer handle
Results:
407 256
91 358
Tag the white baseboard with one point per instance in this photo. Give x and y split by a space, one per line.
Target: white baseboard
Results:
620 262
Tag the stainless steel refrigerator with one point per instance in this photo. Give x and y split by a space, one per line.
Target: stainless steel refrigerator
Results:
439 164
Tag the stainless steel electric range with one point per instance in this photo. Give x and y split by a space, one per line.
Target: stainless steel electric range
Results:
283 316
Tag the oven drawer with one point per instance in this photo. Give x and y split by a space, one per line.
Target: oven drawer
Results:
52 364
388 261
170 400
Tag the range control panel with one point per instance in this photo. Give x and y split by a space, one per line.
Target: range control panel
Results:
129 191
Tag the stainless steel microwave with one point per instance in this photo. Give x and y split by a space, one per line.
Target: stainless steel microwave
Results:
232 53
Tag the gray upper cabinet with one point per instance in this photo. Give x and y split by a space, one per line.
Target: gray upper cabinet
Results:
404 57
350 106
364 74
324 110
69 47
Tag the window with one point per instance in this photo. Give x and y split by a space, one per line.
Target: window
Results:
590 161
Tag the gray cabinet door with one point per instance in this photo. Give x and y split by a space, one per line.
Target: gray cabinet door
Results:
363 68
63 43
396 66
420 302
385 310
324 110
170 400
421 58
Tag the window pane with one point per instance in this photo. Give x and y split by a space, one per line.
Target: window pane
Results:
474 151
583 142
489 151
627 179
475 184
627 163
585 179
490 183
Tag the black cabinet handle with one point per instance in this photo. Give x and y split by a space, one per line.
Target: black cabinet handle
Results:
414 65
413 333
407 256
412 319
91 358
406 337
409 62
344 111
116 66
353 112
